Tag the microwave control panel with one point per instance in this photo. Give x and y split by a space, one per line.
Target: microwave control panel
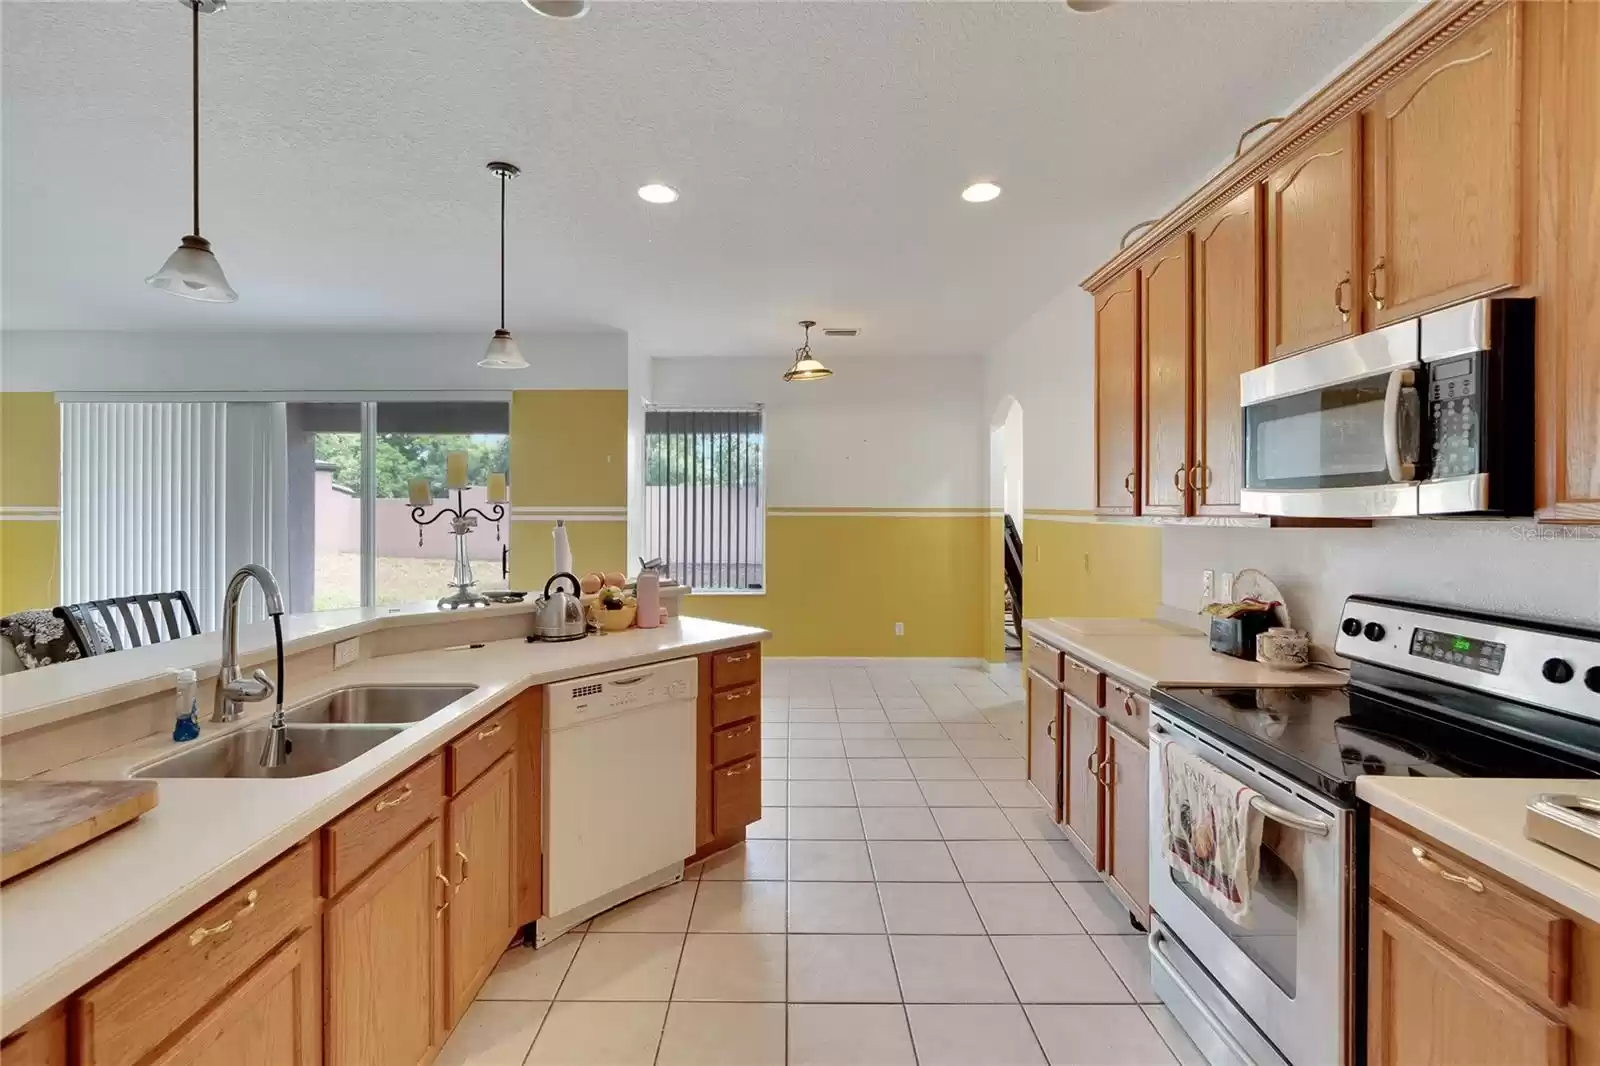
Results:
1455 410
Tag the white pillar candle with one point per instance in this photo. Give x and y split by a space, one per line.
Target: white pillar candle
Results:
421 492
455 467
497 488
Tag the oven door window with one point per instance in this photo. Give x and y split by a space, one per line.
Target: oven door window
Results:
1271 939
1326 439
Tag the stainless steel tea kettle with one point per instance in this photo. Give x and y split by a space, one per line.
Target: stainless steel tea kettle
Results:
559 615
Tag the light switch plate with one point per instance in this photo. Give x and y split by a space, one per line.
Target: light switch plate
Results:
1225 587
1208 589
346 652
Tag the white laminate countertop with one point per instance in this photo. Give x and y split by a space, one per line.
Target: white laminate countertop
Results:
1147 652
1483 818
67 923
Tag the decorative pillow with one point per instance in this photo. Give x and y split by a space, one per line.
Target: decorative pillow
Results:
39 637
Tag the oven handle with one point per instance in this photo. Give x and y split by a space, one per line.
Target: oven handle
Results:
1314 826
1399 469
1156 936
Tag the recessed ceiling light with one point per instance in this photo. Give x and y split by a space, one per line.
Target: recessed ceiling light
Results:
559 9
980 193
657 194
1088 7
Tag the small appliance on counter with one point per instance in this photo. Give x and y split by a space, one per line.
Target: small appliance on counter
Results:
1570 824
1235 626
559 615
1433 692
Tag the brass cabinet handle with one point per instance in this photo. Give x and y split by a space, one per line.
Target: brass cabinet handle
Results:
392 801
463 857
737 733
1200 477
1426 862
199 935
1050 729
1094 757
485 734
1129 707
448 892
1338 298
737 658
1107 775
1127 483
1177 478
1372 283
735 771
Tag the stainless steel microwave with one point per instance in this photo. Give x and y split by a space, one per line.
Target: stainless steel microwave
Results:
1429 416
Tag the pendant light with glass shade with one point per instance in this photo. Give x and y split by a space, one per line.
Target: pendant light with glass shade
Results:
193 271
806 366
503 353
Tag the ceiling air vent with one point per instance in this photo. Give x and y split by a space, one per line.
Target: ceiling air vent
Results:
840 332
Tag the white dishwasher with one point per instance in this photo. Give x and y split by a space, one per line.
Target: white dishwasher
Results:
619 776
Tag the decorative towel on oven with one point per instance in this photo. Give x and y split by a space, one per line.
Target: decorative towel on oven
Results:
1211 833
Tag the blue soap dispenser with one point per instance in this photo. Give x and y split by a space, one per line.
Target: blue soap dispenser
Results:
187 704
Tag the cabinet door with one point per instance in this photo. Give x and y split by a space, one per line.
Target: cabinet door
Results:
1116 395
1227 342
271 1018
1426 1004
1312 235
384 939
42 1043
1044 750
1081 791
1165 310
1127 778
482 917
1442 207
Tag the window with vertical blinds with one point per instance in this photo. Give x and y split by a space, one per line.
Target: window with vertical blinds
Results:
705 509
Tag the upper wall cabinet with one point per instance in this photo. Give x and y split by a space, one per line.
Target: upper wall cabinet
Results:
1442 192
1165 342
1227 342
1312 244
1116 395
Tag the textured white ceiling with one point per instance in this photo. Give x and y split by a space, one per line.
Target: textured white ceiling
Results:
820 149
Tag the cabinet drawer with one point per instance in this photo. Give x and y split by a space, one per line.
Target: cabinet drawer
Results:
736 796
735 743
1482 916
1083 681
735 705
1043 658
480 747
1128 710
122 1017
358 838
740 666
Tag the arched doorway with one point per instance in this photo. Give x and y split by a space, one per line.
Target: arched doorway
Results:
1005 493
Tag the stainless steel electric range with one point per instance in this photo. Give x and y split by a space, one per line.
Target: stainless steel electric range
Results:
1433 691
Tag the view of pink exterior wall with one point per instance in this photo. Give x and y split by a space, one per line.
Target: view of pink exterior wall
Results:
338 525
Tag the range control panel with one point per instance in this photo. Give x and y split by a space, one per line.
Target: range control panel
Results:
1555 667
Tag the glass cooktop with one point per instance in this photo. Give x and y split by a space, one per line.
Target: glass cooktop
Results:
1390 724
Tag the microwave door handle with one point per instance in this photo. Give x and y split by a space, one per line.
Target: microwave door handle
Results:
1399 469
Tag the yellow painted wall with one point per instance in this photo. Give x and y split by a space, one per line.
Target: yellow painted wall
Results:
30 478
1089 569
569 451
836 585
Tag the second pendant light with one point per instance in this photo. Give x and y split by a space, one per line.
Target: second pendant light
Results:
807 367
503 353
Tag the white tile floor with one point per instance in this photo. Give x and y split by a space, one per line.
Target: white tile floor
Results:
903 900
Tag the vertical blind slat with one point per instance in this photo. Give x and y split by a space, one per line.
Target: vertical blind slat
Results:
703 506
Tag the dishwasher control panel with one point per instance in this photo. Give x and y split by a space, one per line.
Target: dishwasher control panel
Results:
587 698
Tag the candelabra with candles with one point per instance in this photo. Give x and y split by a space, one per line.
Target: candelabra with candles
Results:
463 520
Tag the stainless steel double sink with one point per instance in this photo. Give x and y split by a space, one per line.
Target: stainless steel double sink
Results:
324 733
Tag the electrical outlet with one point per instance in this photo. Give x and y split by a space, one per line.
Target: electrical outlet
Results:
899 629
1208 587
346 652
1225 587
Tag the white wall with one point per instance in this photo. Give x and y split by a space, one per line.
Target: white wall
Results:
301 362
882 432
1502 566
639 387
1011 450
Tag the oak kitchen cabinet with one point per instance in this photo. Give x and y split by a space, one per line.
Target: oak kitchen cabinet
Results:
1045 722
1228 277
482 918
1166 335
1443 163
1466 967
1125 783
728 747
1081 793
1116 395
271 1018
1313 234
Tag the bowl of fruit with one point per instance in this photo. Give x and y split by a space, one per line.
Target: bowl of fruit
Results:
613 610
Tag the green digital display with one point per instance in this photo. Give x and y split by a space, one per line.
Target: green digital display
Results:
1462 644
1484 656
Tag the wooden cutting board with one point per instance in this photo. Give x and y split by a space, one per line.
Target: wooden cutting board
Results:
41 820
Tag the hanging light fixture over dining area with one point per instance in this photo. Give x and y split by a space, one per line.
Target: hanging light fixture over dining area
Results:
806 367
